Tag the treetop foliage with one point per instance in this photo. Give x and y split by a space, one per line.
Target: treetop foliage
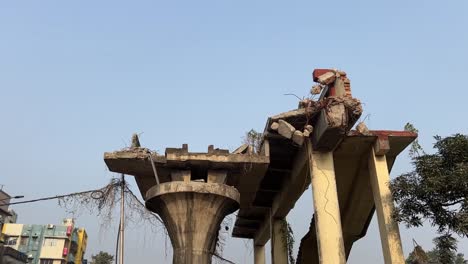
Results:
102 258
444 252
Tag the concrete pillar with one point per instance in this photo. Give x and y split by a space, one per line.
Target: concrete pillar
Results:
327 211
279 250
259 254
192 213
389 232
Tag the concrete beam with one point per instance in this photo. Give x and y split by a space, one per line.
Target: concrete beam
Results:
389 232
327 210
285 200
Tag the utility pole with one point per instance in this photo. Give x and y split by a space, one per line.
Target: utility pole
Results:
122 220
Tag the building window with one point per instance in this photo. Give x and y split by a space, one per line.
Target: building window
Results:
46 261
50 242
12 241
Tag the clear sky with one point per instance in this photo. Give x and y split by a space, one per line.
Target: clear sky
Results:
77 78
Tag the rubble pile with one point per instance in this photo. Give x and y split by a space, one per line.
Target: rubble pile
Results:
335 112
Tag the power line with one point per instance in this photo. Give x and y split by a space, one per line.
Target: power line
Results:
53 197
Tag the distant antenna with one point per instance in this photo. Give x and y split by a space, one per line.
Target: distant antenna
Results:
1 187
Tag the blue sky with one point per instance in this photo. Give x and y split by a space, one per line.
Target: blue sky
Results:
77 78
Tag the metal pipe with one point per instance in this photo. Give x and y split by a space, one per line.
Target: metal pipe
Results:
122 219
154 169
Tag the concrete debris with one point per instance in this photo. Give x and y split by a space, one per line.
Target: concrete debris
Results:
285 129
326 78
362 128
290 115
242 149
347 86
305 103
316 89
339 87
336 116
298 137
340 73
334 83
308 130
274 126
332 115
351 104
297 117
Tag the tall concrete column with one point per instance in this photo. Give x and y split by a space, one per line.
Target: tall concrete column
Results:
279 252
259 254
327 211
389 232
192 213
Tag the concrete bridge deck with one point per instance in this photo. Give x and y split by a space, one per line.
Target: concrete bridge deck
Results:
312 144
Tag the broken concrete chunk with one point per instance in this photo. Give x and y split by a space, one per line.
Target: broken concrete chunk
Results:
274 126
316 89
341 73
298 137
347 86
285 129
336 115
326 78
308 130
362 128
303 103
242 149
339 87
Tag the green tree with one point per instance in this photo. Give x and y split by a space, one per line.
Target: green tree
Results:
445 249
437 189
460 259
102 258
253 139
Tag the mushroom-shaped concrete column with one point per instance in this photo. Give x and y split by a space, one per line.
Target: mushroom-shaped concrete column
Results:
192 213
